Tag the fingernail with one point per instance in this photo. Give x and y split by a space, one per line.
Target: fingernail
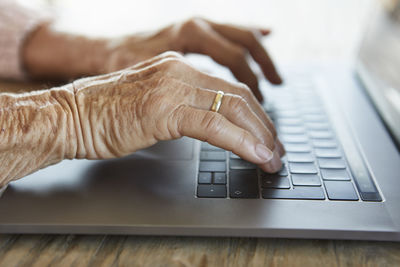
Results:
278 80
276 163
263 152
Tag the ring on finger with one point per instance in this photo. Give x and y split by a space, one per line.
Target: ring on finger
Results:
217 101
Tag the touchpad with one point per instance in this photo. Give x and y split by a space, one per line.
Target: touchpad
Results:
70 174
180 149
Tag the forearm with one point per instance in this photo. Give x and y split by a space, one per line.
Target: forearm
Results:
58 55
49 54
37 130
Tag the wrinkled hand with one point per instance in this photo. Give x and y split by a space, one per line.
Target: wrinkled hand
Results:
226 44
164 98
50 54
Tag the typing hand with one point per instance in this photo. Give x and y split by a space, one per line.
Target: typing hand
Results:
55 55
165 98
226 44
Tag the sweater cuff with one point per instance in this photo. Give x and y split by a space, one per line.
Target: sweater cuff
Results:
16 23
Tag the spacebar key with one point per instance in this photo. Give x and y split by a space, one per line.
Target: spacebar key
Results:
298 192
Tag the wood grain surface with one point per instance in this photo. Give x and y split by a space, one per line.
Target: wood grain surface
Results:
303 30
72 250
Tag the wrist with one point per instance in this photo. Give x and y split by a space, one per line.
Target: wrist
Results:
72 143
37 130
55 55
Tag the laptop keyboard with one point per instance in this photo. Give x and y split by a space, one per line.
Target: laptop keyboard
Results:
314 166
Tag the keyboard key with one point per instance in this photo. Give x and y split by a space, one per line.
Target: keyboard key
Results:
208 147
204 177
314 118
212 155
219 178
211 191
317 126
243 184
340 190
297 148
286 114
327 163
324 143
311 110
239 164
294 138
289 122
335 174
320 134
300 157
283 171
275 181
328 153
291 130
296 167
307 100
212 166
306 179
298 192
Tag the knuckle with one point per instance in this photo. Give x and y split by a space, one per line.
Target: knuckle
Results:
244 90
238 106
172 63
171 54
174 122
238 103
191 23
251 38
238 54
188 27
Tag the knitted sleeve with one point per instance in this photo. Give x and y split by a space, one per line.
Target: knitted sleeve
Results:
16 22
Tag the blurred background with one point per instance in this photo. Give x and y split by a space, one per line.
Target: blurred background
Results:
306 30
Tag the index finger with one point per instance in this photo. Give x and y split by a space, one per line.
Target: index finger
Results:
249 39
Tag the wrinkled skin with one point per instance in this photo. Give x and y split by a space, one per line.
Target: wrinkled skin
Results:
165 98
54 55
118 113
162 97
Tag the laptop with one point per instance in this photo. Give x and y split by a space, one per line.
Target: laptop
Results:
340 125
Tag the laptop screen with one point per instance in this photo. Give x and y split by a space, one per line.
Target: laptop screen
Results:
379 62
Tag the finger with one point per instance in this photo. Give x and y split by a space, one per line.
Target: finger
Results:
236 110
280 148
248 39
265 32
215 129
228 54
274 165
200 79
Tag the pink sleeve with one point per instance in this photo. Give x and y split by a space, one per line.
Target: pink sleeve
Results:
16 22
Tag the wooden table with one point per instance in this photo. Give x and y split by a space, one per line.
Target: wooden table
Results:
72 250
303 30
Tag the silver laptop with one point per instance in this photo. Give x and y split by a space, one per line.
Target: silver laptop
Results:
341 177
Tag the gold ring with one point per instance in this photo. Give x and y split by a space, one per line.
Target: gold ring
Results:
217 101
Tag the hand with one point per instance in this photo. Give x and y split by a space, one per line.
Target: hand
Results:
226 44
164 98
50 54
